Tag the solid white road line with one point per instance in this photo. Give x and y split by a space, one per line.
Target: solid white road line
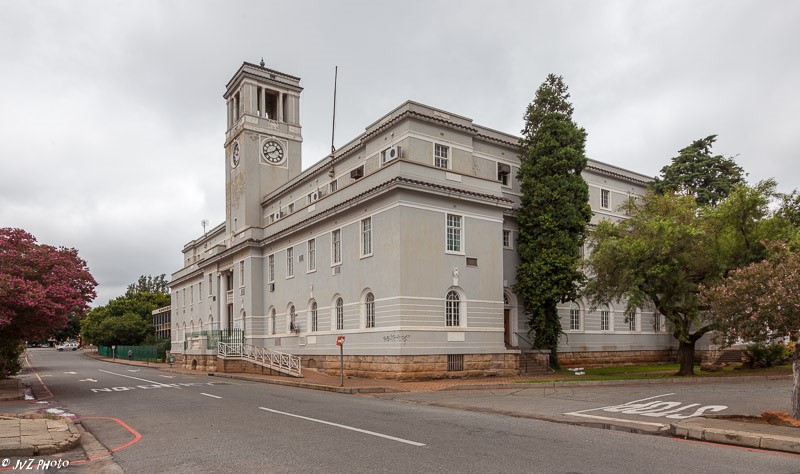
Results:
413 443
135 378
209 395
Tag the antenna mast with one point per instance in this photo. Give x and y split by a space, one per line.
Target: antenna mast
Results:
333 126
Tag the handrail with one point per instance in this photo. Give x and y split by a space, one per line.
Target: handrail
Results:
533 346
279 361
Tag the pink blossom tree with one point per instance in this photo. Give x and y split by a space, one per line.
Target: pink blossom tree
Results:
40 287
760 303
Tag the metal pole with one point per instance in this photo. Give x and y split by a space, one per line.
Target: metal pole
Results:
341 365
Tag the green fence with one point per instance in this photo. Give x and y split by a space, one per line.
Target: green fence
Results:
143 353
214 337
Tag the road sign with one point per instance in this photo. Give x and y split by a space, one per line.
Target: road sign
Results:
340 341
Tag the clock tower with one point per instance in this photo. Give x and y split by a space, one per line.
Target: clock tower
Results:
262 142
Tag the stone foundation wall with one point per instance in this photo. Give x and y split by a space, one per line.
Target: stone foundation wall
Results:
418 367
607 358
203 363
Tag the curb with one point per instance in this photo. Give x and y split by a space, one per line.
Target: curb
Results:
42 449
740 436
19 395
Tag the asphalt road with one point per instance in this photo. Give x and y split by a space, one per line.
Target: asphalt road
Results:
204 424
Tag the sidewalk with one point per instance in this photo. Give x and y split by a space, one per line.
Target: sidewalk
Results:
35 435
712 429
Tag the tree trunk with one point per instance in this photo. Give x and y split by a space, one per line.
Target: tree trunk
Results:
796 388
686 358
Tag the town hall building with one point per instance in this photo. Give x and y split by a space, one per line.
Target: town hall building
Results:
402 241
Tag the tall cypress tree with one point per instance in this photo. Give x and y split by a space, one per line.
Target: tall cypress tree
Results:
553 214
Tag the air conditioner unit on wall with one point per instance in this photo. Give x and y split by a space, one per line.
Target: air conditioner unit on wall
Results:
357 173
277 215
313 196
391 153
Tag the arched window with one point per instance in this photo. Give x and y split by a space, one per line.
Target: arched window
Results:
314 318
452 308
339 313
272 321
369 310
574 316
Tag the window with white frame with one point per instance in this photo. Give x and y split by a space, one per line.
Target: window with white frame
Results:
191 294
314 317
454 233
441 156
605 319
605 198
336 247
574 317
241 273
630 317
366 237
334 185
339 314
271 268
656 322
311 247
507 243
199 291
210 281
290 262
290 208
452 308
369 310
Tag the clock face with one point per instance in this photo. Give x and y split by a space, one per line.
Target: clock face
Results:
235 155
272 151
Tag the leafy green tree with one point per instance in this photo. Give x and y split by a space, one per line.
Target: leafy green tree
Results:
709 178
554 211
149 284
669 247
761 303
112 323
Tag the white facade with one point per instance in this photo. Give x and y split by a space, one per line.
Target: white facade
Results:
403 240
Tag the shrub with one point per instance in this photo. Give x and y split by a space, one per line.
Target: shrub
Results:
766 355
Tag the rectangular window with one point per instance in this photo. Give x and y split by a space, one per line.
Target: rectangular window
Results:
271 268
441 154
657 322
455 362
210 284
290 262
200 291
503 171
605 197
631 321
290 208
312 255
241 274
366 237
604 320
336 246
506 239
334 185
453 233
191 294
575 319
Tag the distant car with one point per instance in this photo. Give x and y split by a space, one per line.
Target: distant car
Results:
68 346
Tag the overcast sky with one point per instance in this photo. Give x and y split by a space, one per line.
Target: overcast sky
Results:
112 119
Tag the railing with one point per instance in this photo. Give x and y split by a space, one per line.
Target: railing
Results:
531 344
279 361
